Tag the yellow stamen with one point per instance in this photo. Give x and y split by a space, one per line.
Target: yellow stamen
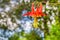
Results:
35 23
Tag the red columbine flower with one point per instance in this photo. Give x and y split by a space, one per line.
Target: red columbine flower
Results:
35 14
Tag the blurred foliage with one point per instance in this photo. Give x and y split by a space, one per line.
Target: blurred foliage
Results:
14 37
25 36
52 33
6 1
34 37
46 19
53 1
20 8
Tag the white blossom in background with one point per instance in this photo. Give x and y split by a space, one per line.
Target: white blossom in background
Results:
58 0
7 8
53 14
2 38
6 20
21 1
43 9
13 3
51 17
48 22
39 19
1 1
1 9
10 24
42 19
53 22
57 13
54 8
26 1
49 25
42 25
9 33
26 25
47 5
1 31
18 21
47 12
18 30
2 15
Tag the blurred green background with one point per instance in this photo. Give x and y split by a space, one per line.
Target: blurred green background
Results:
49 25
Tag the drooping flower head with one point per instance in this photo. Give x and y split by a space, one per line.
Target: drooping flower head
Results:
35 13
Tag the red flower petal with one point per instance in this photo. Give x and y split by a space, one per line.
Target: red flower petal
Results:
32 7
37 13
26 14
40 8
